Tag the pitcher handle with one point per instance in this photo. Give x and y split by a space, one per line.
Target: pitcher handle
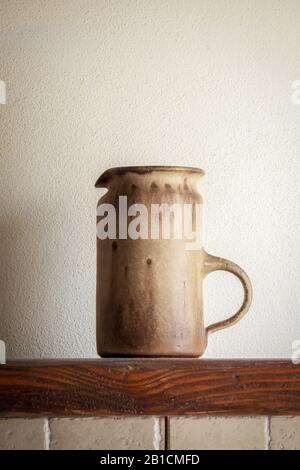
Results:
214 263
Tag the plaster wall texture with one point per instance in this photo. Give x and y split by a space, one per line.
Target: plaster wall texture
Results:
93 84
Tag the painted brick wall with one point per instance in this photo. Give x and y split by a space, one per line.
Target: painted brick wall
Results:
148 433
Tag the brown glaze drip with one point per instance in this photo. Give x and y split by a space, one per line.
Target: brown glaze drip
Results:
154 188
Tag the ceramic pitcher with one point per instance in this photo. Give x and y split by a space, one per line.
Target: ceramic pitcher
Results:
150 275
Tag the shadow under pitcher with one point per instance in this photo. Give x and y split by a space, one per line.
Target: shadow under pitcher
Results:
151 264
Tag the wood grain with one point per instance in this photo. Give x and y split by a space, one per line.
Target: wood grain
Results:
126 387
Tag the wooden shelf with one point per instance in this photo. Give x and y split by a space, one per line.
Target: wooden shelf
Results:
111 387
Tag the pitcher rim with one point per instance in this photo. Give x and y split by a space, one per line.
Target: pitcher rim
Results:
143 169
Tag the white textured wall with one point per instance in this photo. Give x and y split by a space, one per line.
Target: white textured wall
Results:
94 84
